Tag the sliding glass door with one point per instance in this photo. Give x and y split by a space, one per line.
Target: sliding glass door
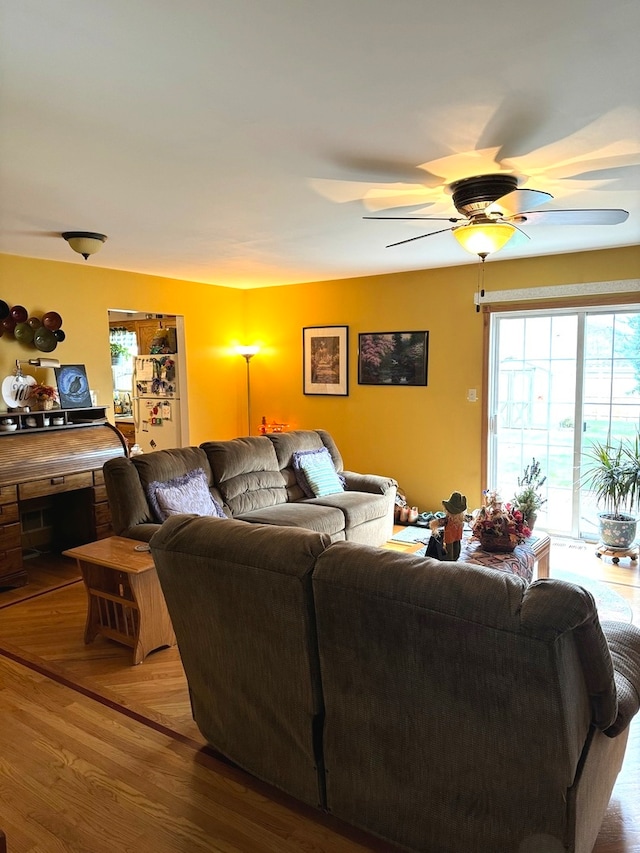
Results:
560 380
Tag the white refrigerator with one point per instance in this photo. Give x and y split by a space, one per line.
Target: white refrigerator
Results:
157 415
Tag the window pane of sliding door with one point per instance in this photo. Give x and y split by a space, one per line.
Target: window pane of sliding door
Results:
560 381
611 390
533 405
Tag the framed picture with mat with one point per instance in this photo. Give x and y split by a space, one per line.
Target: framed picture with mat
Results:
325 360
73 386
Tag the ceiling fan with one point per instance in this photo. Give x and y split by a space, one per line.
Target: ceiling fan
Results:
493 210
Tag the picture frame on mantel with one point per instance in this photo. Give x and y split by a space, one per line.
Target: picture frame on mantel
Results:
393 358
325 360
73 386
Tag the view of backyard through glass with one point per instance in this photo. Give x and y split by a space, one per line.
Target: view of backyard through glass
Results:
551 372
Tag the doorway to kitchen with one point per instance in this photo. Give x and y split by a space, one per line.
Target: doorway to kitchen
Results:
149 379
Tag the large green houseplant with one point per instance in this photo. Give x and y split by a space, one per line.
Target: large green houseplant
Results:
613 475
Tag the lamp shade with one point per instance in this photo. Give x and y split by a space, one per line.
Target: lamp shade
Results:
484 238
85 243
247 351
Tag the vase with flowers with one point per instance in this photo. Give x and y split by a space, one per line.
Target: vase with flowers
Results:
45 396
499 527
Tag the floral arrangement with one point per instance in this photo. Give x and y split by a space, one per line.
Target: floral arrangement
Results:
44 392
499 527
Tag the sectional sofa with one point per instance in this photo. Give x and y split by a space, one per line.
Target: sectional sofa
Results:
294 479
440 706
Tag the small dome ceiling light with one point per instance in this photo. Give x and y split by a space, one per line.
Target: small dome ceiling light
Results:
84 242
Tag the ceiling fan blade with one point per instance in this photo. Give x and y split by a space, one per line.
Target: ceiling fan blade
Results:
422 218
419 237
399 195
516 201
603 216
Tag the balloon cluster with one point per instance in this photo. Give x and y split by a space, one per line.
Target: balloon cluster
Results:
44 333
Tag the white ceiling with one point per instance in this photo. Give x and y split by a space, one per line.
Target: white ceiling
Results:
240 142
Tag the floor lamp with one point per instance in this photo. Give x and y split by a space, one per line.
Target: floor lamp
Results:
248 353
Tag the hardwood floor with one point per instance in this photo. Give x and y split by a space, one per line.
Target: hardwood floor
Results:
78 776
99 755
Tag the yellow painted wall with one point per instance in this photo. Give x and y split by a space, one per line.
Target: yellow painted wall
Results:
429 438
83 293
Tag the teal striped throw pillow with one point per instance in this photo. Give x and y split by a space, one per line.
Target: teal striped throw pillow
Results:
322 477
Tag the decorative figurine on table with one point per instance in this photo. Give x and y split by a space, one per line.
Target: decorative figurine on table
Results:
453 524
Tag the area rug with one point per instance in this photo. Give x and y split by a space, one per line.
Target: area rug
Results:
412 534
610 604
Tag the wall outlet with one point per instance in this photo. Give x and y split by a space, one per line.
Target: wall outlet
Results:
472 395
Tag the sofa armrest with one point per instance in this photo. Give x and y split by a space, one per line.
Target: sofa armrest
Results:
624 646
371 483
127 500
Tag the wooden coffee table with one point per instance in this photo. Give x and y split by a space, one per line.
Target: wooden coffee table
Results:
125 600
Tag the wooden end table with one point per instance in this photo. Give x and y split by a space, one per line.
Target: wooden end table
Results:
125 600
540 544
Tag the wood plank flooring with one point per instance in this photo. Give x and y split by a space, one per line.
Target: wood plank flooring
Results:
77 776
102 755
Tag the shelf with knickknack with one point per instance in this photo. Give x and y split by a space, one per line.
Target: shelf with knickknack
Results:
49 419
271 426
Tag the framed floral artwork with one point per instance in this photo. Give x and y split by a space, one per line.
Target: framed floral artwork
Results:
393 358
325 360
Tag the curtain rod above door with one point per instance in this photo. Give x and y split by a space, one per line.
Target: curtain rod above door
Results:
559 291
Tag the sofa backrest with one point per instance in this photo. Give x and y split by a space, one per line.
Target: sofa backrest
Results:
240 599
457 699
287 443
127 484
246 473
164 465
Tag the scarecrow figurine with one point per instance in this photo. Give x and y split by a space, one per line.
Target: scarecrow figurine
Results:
453 524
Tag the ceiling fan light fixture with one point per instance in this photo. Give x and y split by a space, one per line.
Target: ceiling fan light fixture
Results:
484 238
85 243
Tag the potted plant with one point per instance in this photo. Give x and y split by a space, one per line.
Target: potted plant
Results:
613 474
118 352
528 499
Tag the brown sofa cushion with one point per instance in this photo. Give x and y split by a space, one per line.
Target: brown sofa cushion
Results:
286 444
307 514
241 603
624 644
165 465
246 472
458 700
